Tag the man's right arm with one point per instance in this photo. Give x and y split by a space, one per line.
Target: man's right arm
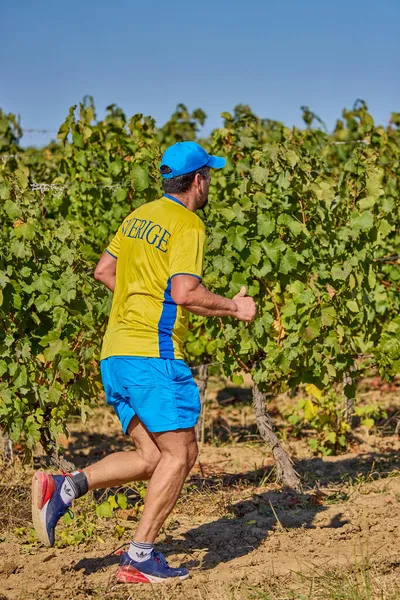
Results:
187 291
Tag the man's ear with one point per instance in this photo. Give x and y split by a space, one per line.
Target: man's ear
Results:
197 180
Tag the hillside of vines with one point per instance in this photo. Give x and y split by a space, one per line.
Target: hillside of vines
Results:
308 220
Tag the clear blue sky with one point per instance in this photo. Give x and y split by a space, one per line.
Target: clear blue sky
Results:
149 56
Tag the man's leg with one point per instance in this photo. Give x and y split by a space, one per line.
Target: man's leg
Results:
52 495
178 454
142 563
121 467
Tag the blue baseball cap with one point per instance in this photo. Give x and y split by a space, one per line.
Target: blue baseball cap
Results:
186 157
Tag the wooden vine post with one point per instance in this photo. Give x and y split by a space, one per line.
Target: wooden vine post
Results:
202 384
55 458
284 464
348 398
6 449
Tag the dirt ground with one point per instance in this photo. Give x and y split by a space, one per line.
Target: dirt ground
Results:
239 532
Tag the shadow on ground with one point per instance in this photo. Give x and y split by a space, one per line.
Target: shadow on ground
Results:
248 523
245 526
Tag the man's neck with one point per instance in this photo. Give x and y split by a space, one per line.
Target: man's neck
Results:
187 199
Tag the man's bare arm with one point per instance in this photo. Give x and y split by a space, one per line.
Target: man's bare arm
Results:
106 270
209 312
187 291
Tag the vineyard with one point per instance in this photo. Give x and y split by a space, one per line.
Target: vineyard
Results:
309 221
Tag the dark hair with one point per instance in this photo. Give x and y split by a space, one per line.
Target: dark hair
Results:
182 183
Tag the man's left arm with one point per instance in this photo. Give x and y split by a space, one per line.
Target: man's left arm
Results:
106 270
107 266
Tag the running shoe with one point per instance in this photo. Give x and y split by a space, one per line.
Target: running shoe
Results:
47 505
153 570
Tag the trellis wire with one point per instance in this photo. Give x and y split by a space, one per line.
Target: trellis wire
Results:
384 258
43 131
57 189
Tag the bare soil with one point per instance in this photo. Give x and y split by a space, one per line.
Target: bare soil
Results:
239 532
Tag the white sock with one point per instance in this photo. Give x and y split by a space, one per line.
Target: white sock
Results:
68 491
140 551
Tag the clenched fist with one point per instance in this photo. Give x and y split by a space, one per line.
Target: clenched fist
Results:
246 307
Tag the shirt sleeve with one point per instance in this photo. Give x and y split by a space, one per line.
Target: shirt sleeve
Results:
187 252
114 245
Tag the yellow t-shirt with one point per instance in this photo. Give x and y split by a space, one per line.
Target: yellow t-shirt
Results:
157 241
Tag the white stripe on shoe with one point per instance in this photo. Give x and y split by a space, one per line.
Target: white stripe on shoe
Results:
39 515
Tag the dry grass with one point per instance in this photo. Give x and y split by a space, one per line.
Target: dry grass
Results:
226 482
365 581
15 497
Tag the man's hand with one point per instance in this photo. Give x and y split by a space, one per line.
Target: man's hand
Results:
246 307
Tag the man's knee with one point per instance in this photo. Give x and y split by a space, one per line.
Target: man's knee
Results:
184 457
178 449
151 460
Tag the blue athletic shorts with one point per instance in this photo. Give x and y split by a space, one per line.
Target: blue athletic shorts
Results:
160 391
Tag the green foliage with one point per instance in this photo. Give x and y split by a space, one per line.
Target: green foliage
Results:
321 417
79 529
106 509
181 127
306 220
324 417
388 351
87 525
27 536
369 414
199 346
52 317
308 224
10 132
109 168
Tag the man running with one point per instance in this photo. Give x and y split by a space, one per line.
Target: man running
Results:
154 267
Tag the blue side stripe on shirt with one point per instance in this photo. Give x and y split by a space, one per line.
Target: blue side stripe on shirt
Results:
166 324
191 275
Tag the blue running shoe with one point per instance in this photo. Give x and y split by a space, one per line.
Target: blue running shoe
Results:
153 570
47 505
